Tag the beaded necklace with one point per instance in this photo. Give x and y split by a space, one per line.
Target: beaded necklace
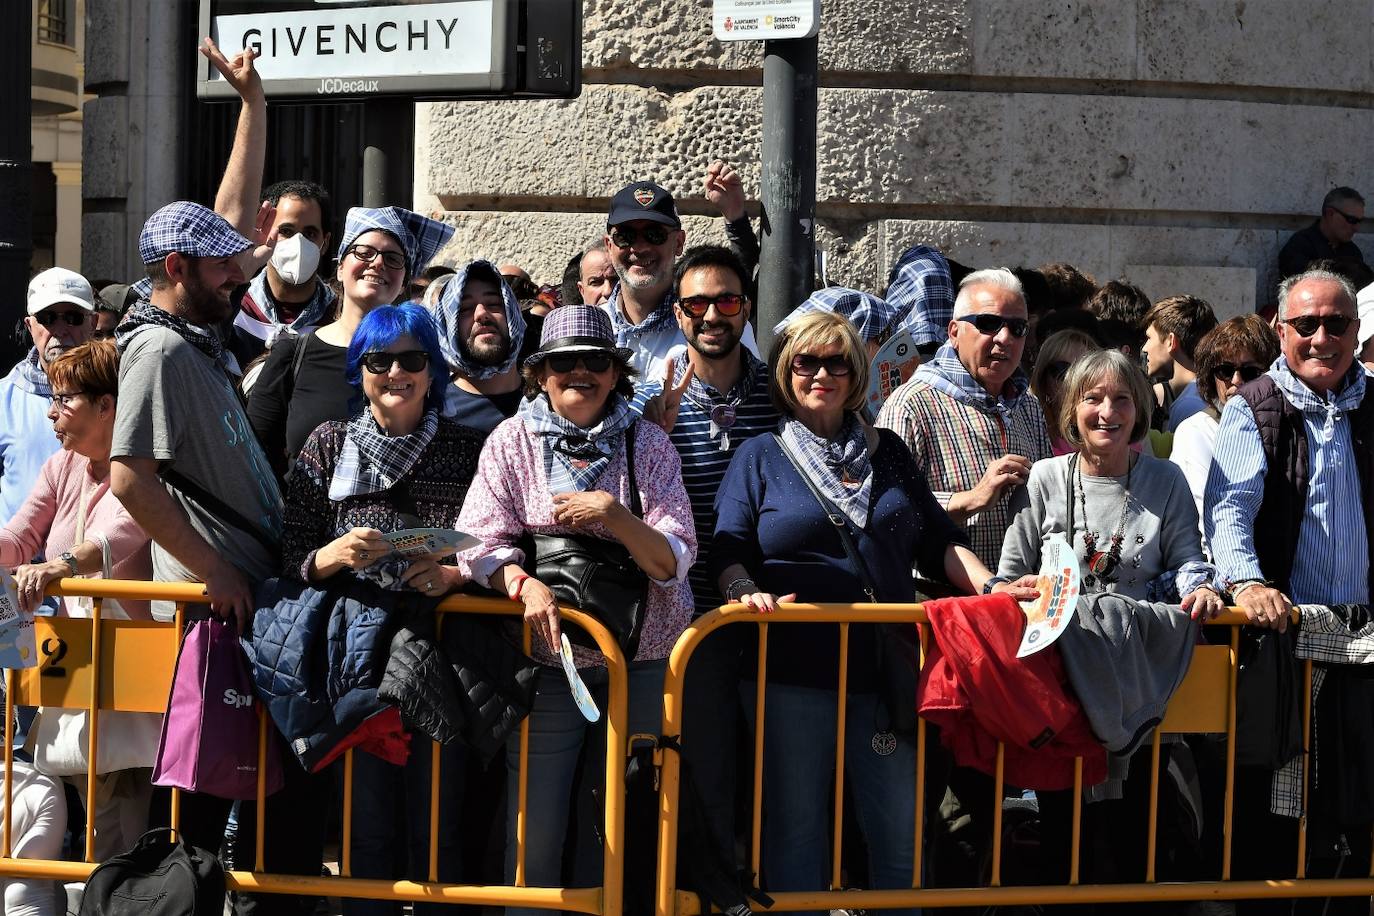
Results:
1101 565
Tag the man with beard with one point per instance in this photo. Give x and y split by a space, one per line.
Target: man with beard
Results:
644 237
481 330
60 305
718 400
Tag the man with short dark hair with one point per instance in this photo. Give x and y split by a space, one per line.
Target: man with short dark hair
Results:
60 307
596 277
1289 512
1330 236
1173 327
715 399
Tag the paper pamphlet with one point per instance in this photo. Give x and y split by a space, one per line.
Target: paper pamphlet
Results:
435 543
893 364
581 695
1058 583
18 646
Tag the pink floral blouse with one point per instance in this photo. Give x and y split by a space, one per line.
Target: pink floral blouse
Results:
510 495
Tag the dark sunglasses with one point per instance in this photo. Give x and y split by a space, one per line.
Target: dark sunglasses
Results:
1352 220
991 324
367 254
1224 372
652 235
727 304
1306 325
808 365
75 318
567 362
379 362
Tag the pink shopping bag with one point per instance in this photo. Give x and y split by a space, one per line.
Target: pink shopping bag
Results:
210 733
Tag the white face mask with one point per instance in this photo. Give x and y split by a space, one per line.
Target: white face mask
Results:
295 259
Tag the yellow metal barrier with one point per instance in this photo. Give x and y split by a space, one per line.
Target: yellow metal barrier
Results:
1204 703
85 664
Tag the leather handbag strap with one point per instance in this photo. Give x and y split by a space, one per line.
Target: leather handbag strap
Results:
635 506
838 519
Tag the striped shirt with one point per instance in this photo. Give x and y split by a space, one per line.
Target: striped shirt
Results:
704 461
954 440
1325 569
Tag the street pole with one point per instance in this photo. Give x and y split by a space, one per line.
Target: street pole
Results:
786 258
388 151
16 183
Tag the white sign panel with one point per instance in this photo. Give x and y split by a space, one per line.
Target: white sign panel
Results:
753 20
414 39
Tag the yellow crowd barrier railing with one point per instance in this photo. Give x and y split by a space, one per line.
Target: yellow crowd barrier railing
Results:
1204 703
102 664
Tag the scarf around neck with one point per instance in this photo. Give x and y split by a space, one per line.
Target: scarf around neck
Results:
840 467
312 313
371 461
709 401
946 373
31 376
574 457
625 332
143 314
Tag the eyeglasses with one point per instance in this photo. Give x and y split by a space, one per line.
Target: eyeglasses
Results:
991 324
63 401
808 365
1224 372
367 254
76 318
624 237
1352 220
380 362
727 304
567 362
1306 325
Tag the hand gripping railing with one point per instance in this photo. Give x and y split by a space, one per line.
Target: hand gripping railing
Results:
105 664
1204 703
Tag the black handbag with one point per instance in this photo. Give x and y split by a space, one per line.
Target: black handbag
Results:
897 644
1268 720
595 575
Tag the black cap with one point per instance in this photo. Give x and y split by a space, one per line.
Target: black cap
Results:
643 200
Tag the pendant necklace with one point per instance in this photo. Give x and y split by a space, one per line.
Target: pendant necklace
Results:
1101 564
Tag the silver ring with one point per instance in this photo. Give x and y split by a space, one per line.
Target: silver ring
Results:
429 585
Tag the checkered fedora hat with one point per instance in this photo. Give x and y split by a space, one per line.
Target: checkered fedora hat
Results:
576 329
421 237
190 229
869 314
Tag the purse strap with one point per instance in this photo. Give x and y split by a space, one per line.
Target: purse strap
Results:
635 506
220 508
838 519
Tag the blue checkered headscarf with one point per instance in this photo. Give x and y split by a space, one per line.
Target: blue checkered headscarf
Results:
420 236
445 313
921 290
871 315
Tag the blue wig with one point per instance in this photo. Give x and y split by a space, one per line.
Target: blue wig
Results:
386 324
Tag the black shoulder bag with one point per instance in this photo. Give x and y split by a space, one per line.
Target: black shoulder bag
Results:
594 574
897 644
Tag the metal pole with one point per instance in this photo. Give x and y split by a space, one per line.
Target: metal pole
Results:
16 181
786 258
388 151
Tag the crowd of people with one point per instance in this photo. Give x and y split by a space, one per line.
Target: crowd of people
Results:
261 427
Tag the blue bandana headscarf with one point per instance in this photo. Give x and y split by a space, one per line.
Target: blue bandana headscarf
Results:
421 237
445 313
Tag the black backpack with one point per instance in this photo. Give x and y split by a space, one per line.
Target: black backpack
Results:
160 876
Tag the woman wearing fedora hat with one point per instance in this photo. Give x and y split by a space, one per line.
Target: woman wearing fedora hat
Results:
559 469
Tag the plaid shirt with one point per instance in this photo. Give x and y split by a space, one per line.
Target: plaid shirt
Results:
955 440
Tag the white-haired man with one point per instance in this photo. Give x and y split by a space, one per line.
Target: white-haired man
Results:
967 415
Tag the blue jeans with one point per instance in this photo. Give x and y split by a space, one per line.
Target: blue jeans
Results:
391 822
557 734
798 775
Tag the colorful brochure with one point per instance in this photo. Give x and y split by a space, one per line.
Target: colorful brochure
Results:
1058 582
893 364
18 646
435 543
581 695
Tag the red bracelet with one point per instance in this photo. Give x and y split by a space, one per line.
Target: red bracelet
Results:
513 589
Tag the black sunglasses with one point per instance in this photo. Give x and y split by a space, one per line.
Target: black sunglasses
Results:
1352 220
808 365
624 237
367 254
74 318
379 362
1224 372
991 324
1306 325
567 362
727 304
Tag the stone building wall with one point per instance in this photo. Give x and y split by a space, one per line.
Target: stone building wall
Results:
1173 143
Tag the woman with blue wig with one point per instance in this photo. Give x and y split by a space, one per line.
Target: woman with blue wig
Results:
302 381
395 464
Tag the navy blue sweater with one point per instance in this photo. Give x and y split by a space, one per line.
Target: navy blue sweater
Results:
768 520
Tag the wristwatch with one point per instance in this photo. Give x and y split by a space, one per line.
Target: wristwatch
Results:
993 582
70 559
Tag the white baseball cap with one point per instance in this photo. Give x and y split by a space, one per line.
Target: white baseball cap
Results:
58 284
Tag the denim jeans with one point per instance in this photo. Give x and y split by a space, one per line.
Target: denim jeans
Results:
391 822
798 775
557 734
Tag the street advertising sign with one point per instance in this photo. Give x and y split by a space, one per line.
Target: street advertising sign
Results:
330 50
764 20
